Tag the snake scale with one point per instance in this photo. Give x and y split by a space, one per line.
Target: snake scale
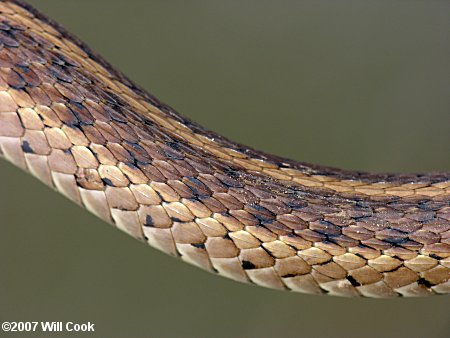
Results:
83 128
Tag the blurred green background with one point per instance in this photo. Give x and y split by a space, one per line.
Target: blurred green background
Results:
355 84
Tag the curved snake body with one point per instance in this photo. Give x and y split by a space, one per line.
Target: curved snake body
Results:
83 128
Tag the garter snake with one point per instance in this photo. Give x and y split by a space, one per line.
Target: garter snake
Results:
83 128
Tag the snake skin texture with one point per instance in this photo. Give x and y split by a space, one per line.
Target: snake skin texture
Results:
84 129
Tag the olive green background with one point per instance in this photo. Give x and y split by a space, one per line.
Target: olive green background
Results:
355 84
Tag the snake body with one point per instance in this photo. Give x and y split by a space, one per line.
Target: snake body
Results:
83 128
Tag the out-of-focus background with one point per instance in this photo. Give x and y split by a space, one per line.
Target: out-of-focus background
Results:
355 84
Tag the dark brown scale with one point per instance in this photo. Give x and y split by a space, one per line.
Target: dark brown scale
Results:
437 226
64 114
144 132
340 221
307 216
183 190
39 96
213 204
391 236
201 167
153 150
59 74
125 132
372 223
115 115
42 73
244 217
346 242
293 222
278 228
197 187
357 232
310 235
108 132
137 152
120 153
424 237
6 61
261 213
17 26
20 59
8 39
93 134
167 170
274 206
29 76
229 201
152 173
406 225
212 183
325 228
412 245
423 216
82 80
80 112
4 25
243 196
183 168
25 40
36 57
53 94
15 80
70 92
99 114
171 150
55 58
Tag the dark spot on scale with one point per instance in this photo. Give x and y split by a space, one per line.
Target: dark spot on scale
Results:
435 256
289 275
353 281
246 265
396 240
173 145
262 219
26 147
22 68
195 192
198 245
257 207
231 172
423 281
176 219
148 122
295 205
77 105
148 221
107 181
